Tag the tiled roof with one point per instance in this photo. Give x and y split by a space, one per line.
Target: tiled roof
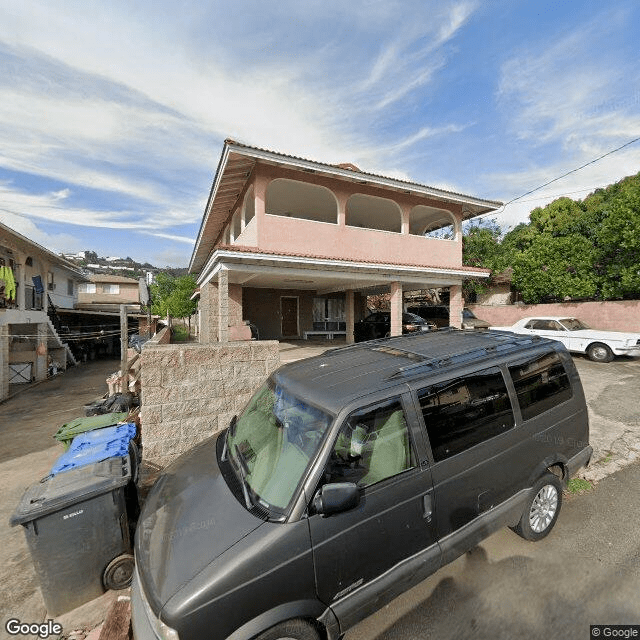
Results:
106 277
347 166
292 254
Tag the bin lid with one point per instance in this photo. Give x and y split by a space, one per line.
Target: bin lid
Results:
54 493
91 438
90 454
89 423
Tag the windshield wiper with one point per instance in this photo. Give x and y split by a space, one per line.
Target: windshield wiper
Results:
243 471
230 433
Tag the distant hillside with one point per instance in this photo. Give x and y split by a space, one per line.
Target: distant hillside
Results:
91 262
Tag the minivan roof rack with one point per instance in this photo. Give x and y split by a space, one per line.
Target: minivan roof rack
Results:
506 344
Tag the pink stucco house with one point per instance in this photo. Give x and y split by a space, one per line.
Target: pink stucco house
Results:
295 246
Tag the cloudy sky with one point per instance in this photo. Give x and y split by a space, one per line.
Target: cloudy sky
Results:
113 114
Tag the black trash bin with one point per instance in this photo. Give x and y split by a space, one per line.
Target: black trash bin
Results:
77 529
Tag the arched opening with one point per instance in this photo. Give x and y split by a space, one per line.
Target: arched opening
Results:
236 226
249 206
294 199
431 222
371 212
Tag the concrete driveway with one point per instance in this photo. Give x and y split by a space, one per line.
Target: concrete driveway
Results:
613 397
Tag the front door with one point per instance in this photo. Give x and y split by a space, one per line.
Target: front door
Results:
366 556
289 314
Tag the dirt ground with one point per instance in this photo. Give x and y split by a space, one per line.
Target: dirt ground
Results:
28 421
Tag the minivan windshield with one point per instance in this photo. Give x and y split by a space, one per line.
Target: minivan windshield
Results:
272 443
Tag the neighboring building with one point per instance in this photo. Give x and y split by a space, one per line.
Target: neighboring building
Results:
499 291
295 246
106 292
35 283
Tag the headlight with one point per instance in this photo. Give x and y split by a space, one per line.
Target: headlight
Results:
161 630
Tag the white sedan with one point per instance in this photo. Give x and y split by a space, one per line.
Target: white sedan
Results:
599 345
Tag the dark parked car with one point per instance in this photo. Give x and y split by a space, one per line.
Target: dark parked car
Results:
439 315
378 325
352 476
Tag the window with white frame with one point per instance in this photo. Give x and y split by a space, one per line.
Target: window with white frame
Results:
87 287
111 288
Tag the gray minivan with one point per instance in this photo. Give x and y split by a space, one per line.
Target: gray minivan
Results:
352 476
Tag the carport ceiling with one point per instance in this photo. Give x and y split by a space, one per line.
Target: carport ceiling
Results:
327 281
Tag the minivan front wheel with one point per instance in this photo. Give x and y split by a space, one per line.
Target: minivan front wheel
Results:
542 509
290 630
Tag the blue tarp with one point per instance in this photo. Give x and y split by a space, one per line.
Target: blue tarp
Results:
95 446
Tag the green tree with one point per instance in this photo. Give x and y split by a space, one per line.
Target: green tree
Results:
555 268
617 241
481 247
172 296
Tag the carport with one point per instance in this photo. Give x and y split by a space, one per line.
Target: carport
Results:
282 293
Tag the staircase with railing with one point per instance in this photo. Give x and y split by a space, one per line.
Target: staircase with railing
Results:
57 328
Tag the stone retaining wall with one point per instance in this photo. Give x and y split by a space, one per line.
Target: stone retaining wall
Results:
191 391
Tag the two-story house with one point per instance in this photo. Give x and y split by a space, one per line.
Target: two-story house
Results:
295 245
106 292
33 283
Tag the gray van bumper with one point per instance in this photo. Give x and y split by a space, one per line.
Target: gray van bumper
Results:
578 461
140 613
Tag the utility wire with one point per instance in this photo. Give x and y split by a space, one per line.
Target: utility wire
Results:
564 175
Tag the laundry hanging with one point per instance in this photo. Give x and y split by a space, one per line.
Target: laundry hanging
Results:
6 274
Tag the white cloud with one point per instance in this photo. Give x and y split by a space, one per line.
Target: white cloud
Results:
569 102
57 243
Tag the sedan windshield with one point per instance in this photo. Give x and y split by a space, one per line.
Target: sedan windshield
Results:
573 324
273 442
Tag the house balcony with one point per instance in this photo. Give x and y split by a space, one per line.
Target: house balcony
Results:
322 239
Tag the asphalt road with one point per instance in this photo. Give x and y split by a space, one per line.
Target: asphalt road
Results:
587 571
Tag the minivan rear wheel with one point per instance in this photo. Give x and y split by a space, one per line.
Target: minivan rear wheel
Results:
295 629
542 509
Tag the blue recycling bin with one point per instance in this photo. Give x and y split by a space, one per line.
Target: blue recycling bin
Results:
95 446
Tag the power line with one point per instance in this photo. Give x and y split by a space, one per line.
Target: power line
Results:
564 175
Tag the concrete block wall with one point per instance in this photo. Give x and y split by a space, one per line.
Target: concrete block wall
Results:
191 391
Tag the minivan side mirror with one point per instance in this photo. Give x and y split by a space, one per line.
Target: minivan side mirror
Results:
336 497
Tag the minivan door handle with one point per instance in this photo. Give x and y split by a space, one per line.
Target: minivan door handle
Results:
427 507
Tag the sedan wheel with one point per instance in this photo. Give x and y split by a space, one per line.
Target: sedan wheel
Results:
599 352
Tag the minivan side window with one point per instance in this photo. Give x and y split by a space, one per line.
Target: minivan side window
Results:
373 444
541 383
464 412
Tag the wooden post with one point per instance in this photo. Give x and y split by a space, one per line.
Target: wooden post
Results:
124 343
